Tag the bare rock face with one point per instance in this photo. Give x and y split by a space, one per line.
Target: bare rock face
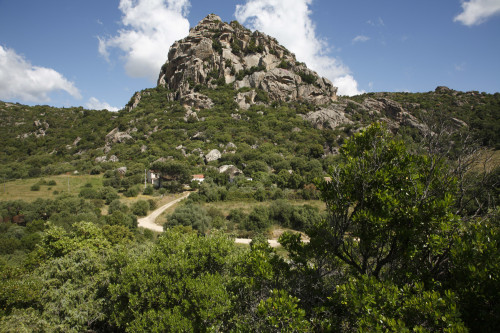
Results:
213 155
230 169
116 136
132 104
137 99
246 99
101 159
329 118
197 101
122 170
190 115
113 158
217 53
395 114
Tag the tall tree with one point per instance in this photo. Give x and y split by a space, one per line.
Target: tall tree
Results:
389 209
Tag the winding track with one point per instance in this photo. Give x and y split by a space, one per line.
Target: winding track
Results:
148 222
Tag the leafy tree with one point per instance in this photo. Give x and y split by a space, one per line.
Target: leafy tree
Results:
258 219
184 289
140 208
281 313
475 272
389 209
255 166
117 205
189 215
174 170
108 194
382 306
148 190
122 219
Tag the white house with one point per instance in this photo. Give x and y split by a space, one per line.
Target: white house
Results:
198 178
153 177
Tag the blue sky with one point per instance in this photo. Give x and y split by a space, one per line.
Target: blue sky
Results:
97 53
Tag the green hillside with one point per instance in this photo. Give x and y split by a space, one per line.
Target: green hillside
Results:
389 202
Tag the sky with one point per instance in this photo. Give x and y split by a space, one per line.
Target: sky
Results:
97 54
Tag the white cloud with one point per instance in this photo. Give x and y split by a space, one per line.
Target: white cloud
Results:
360 38
376 23
348 84
95 104
460 67
151 27
20 79
290 22
477 11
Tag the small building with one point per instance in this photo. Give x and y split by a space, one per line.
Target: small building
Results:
199 178
153 178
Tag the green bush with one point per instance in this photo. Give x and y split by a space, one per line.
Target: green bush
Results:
148 190
191 215
117 206
308 78
133 191
285 64
108 194
88 193
140 208
258 220
123 219
35 187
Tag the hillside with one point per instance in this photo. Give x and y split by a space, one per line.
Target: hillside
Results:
237 94
406 236
43 140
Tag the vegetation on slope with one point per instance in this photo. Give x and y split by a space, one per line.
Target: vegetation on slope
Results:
400 250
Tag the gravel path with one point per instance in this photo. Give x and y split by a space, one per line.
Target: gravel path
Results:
148 222
272 242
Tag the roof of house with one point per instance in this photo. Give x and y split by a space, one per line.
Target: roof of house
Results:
198 176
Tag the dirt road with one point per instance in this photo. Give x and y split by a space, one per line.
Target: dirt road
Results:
272 242
148 222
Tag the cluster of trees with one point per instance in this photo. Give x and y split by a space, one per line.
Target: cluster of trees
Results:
256 222
22 223
407 245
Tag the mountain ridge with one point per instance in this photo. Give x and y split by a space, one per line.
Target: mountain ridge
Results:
217 53
201 108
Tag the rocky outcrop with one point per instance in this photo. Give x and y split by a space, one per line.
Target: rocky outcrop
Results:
101 159
216 53
328 118
197 101
230 169
395 114
122 170
115 136
213 155
113 158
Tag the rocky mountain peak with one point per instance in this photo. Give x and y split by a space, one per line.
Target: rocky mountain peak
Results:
217 53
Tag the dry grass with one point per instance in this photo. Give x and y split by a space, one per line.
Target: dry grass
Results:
20 189
487 160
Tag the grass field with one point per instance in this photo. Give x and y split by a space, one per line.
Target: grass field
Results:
20 189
